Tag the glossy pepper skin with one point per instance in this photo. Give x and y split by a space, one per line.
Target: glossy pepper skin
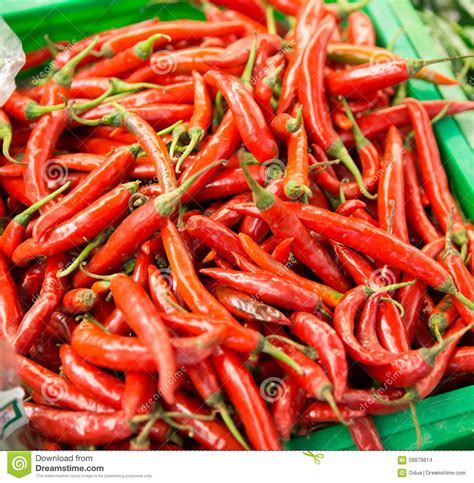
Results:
247 115
245 397
10 304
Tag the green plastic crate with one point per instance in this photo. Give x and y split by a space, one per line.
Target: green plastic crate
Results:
447 420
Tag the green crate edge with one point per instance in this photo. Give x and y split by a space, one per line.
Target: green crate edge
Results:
396 430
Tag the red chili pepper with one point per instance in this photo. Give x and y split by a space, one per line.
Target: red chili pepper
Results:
462 360
265 261
37 317
380 120
318 412
282 251
31 282
252 8
246 398
96 383
360 30
312 96
139 394
415 212
286 410
160 291
78 427
366 330
78 301
365 434
268 288
145 321
308 19
305 247
246 307
23 108
435 186
10 305
247 115
54 389
319 335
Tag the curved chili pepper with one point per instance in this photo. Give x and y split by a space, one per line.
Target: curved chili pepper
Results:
246 114
96 383
436 186
37 317
110 172
379 121
416 216
246 398
286 410
15 230
160 292
246 307
282 251
360 30
10 304
323 338
442 316
143 222
215 236
305 247
177 30
366 330
23 108
84 225
265 261
307 21
143 318
268 288
211 434
312 96
124 353
365 434
31 282
54 389
125 60
78 427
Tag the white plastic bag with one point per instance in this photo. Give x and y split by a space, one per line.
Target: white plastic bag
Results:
12 59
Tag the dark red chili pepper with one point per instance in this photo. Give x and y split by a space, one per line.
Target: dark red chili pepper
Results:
98 384
360 30
215 236
265 261
322 337
366 330
305 247
435 185
365 434
246 114
268 288
312 96
50 297
245 396
54 389
247 307
78 427
31 282
462 360
212 435
318 412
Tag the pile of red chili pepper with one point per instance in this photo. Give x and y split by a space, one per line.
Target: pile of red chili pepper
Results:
222 234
